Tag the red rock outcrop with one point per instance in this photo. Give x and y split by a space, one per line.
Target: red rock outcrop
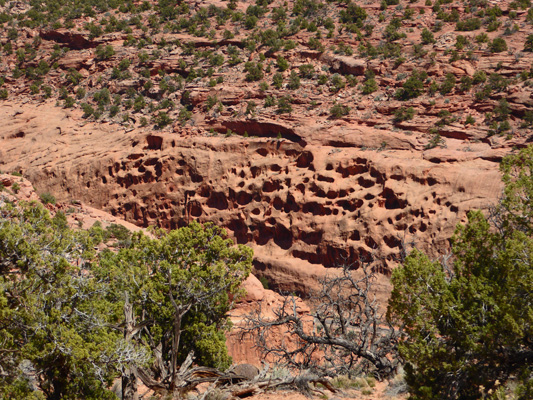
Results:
328 197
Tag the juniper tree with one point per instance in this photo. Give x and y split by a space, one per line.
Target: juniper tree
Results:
470 325
179 285
55 340
71 321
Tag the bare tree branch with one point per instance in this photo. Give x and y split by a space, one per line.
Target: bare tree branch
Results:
346 333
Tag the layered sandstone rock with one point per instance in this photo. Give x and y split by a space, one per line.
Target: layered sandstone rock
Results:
318 197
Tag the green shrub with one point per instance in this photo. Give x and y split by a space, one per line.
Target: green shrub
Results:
497 83
88 110
353 14
211 102
270 101
250 107
69 102
502 110
307 71
47 198
470 24
448 84
482 38
15 187
435 141
42 68
12 34
498 45
282 63
392 31
264 282
337 83
162 119
80 93
250 22
339 111
139 103
412 87
466 83
294 81
104 52
493 25
370 86
277 80
184 115
118 232
47 90
479 77
427 36
254 71
102 97
315 44
284 105
404 114
113 110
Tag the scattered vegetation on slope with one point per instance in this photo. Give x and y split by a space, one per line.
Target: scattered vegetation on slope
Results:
149 55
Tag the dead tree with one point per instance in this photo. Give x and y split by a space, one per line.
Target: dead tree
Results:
346 333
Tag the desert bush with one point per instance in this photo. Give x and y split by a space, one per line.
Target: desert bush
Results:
315 44
307 71
270 101
482 38
162 119
211 102
479 77
470 24
427 36
284 105
88 110
353 14
404 114
277 80
448 84
412 87
465 83
502 110
102 97
282 63
339 111
337 83
254 71
294 81
470 120
498 45
104 52
80 93
47 198
69 102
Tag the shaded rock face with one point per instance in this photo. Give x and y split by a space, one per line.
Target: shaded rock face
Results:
301 207
73 40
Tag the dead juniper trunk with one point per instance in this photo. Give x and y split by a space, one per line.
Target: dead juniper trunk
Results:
346 333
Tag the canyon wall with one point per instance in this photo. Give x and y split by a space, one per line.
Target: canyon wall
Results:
310 200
